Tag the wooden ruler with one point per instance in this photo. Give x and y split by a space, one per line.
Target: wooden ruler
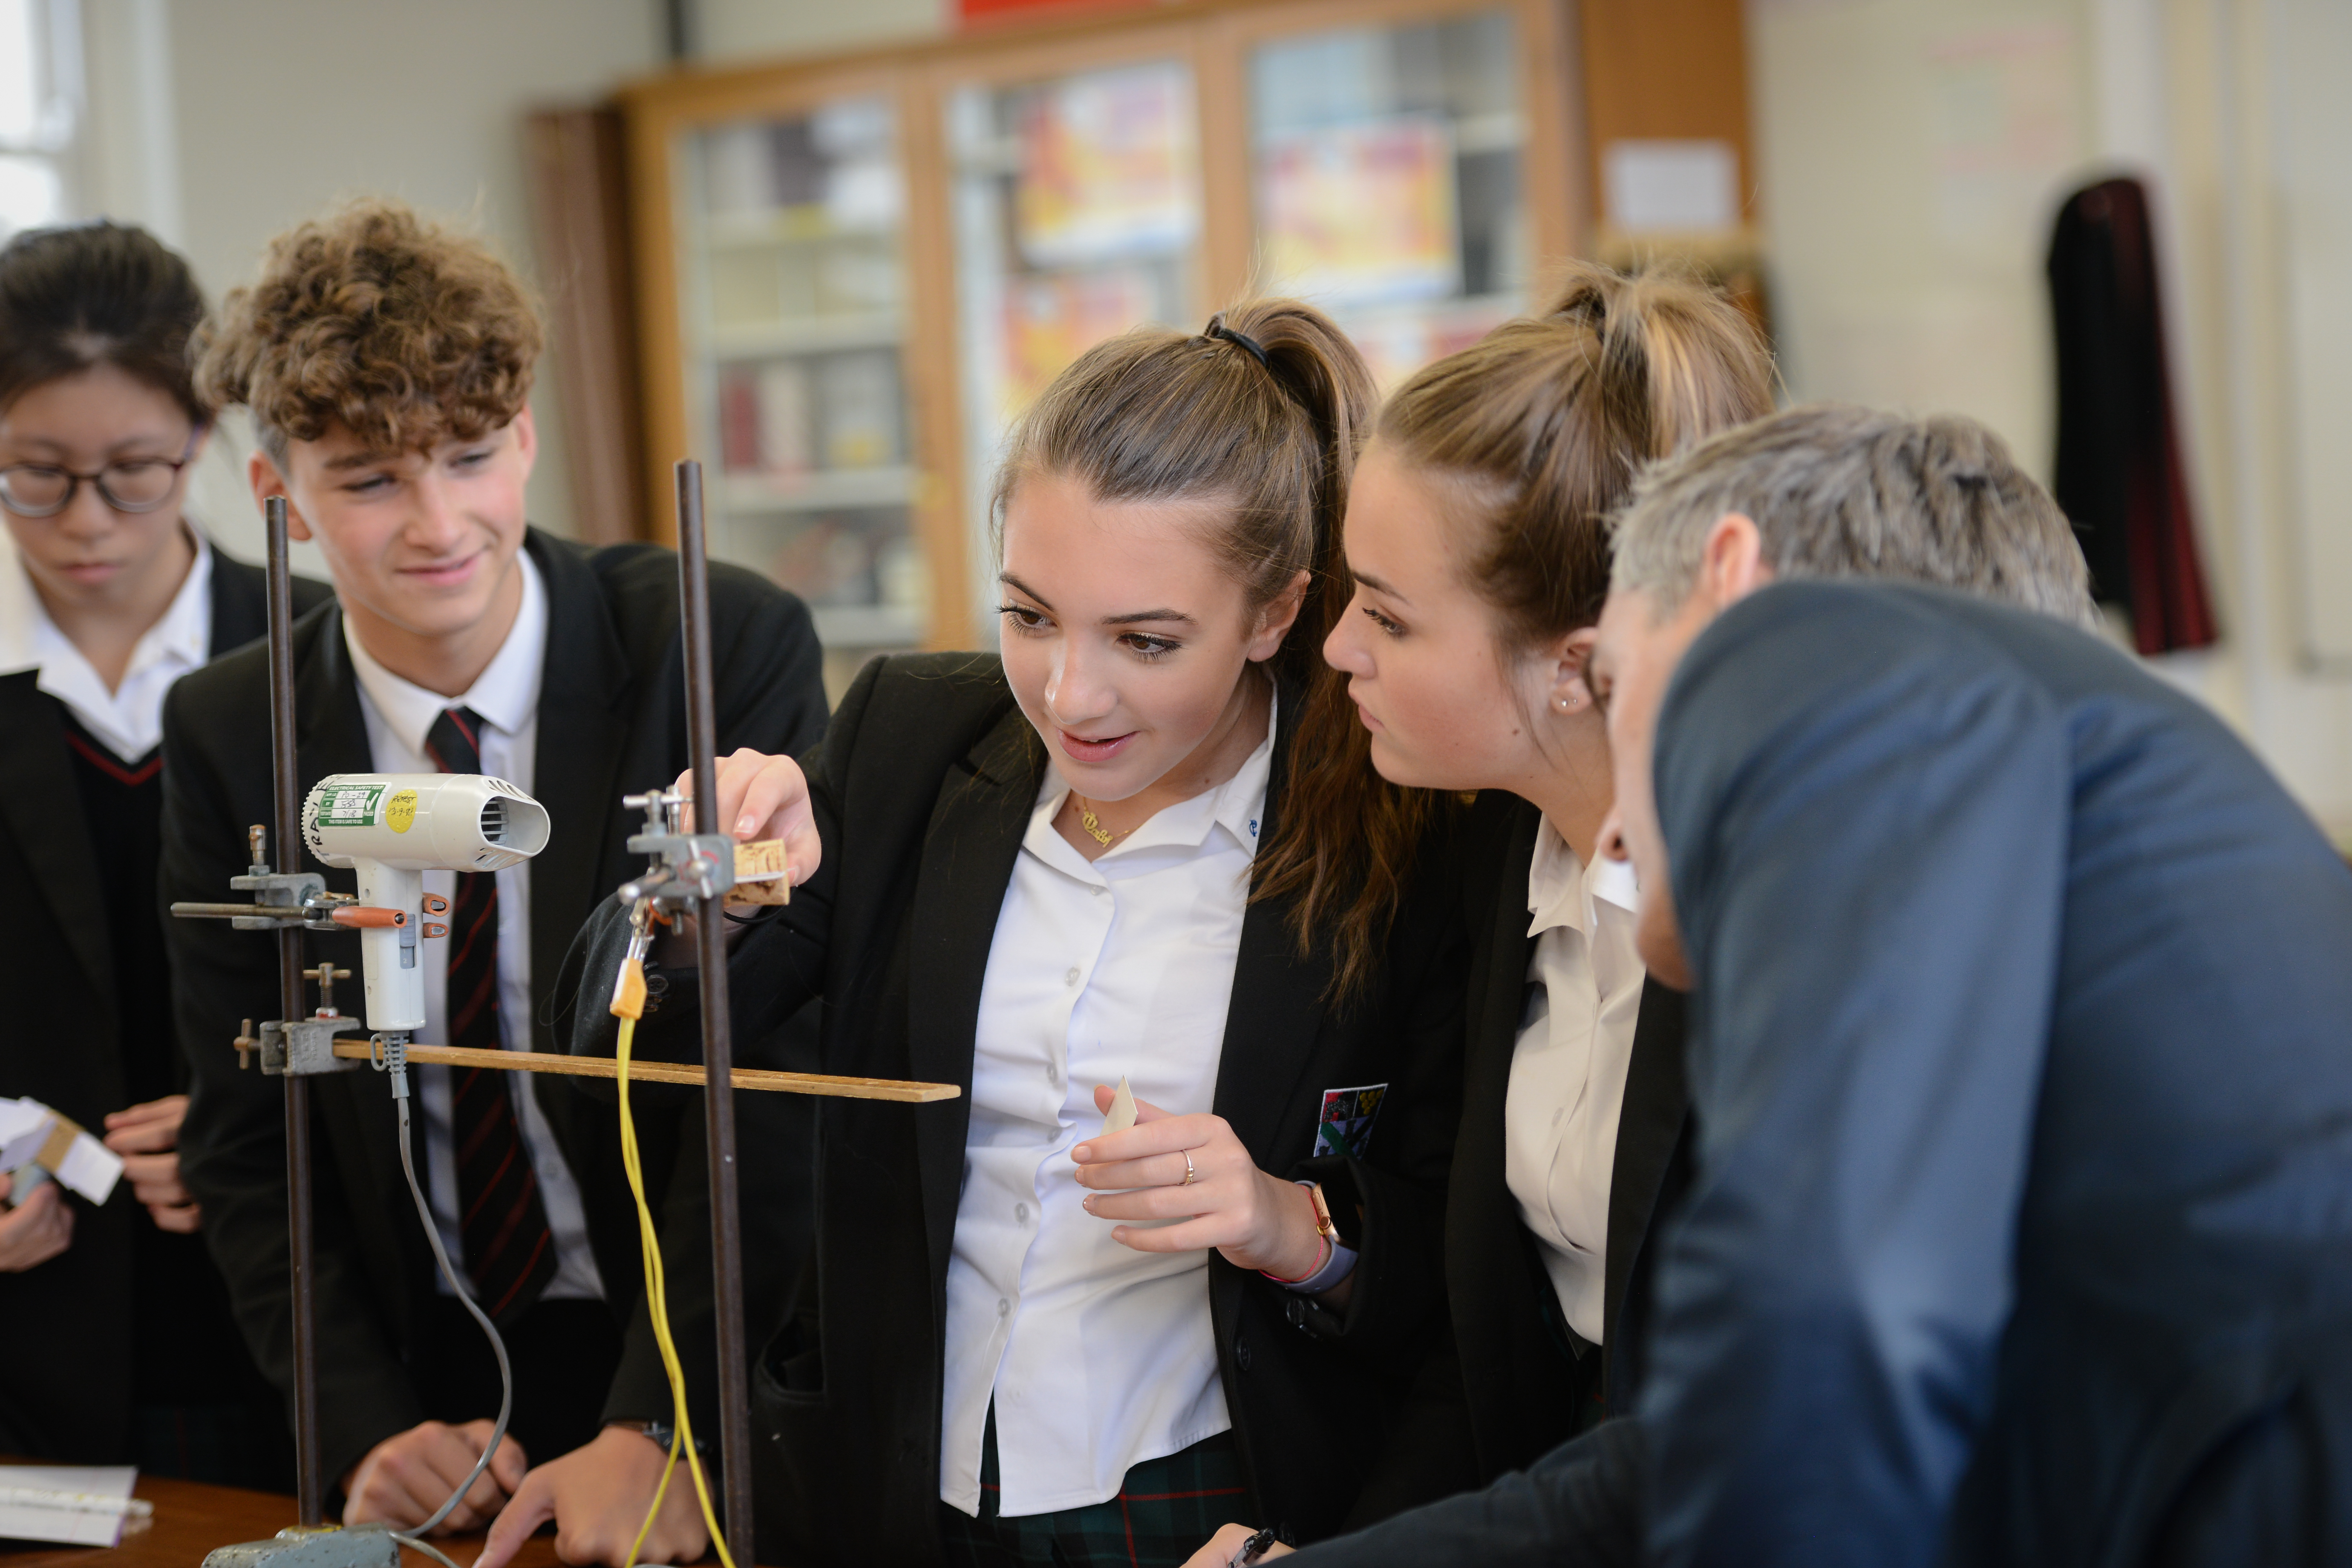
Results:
665 1072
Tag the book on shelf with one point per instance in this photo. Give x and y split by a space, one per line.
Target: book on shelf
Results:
764 424
858 409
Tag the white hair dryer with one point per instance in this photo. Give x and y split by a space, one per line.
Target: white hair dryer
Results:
392 828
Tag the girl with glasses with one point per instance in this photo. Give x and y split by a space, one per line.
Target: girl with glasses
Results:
107 596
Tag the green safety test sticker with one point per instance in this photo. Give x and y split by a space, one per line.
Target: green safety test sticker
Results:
350 805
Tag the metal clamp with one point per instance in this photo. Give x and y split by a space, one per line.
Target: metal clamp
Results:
281 899
305 1047
682 867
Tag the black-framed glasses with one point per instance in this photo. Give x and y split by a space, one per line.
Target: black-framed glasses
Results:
132 485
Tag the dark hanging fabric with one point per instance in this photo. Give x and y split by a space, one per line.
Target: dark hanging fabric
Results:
2118 468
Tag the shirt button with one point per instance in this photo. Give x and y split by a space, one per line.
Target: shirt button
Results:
1021 1213
1071 978
1004 1307
1100 890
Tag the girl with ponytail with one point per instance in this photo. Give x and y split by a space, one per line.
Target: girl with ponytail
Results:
1027 1337
1477 547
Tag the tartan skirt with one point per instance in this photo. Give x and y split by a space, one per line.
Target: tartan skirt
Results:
1166 1510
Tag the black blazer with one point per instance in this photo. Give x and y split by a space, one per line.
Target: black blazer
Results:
610 720
1510 1388
1494 1282
922 790
72 1401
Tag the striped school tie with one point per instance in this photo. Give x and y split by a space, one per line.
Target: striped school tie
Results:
510 1251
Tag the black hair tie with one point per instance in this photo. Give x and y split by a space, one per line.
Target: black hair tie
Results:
1217 329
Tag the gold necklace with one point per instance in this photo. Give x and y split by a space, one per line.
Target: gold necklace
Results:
1093 824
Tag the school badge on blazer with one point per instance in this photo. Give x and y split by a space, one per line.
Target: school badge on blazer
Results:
1346 1124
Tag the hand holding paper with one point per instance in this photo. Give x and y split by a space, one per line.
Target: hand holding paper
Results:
1139 1174
37 1228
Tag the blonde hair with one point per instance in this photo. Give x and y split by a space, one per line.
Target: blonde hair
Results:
1542 425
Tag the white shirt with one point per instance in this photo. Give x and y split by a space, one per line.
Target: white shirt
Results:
400 716
1097 1356
1568 1070
128 720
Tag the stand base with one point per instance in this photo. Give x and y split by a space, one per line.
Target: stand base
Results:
312 1546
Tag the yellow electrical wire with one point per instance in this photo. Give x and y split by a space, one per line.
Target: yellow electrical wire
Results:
628 1004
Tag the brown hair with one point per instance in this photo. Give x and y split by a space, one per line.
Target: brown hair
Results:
1156 414
1261 414
401 331
1539 427
93 294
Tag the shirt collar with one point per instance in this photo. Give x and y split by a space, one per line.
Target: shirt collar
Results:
129 718
184 632
1563 891
1238 805
506 694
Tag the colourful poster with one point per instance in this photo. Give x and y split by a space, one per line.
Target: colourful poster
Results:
1108 167
1362 213
1050 321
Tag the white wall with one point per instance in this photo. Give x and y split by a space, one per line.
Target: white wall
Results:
727 30
1913 153
220 123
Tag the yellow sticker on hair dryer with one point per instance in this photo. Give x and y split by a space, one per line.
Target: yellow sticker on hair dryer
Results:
400 811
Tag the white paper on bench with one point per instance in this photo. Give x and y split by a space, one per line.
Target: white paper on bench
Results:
81 1526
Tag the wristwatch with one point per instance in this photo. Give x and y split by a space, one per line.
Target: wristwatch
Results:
1323 1226
1252 1549
661 1434
1333 1258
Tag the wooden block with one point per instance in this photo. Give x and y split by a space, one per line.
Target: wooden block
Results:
762 874
59 1143
665 1072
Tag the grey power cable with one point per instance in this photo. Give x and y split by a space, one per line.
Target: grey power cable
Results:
394 1060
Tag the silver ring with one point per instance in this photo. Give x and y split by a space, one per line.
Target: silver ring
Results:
1189 1172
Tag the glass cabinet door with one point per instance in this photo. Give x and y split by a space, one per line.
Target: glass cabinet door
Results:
1386 173
793 295
1077 215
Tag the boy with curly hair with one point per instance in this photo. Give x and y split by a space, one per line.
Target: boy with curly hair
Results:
387 363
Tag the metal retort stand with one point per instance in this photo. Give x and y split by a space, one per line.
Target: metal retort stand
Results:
688 873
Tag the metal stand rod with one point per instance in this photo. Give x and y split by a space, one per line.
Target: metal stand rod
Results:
718 1039
310 1486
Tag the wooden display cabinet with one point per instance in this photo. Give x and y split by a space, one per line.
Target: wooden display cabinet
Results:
852 271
